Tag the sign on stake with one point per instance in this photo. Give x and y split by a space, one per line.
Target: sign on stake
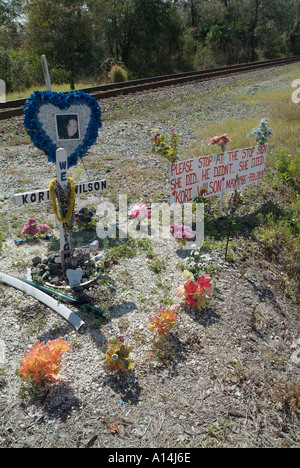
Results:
216 173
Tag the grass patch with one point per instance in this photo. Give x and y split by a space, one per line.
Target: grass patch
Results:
57 88
268 222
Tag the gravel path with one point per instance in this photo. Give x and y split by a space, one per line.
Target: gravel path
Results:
218 390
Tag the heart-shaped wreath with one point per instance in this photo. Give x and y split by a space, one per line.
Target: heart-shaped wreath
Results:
45 109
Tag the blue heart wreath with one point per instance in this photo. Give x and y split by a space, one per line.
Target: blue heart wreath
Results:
63 101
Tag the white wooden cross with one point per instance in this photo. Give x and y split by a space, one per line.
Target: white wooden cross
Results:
43 195
62 178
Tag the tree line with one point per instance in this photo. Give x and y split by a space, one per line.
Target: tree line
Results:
148 37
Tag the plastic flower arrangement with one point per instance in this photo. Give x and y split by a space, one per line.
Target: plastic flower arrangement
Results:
43 362
195 292
118 355
85 218
163 322
262 132
32 229
140 212
182 233
195 265
221 140
161 146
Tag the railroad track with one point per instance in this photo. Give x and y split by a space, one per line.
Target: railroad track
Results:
14 108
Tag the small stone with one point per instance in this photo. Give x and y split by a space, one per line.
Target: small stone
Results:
36 261
55 279
53 266
51 257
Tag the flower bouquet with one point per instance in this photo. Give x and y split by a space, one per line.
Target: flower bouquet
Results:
182 233
32 230
118 355
85 218
163 322
162 146
262 132
221 140
43 362
195 293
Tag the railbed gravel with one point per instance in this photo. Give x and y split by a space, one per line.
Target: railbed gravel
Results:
223 373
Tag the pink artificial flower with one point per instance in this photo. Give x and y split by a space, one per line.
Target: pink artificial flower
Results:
43 227
181 232
157 137
221 140
29 229
140 211
31 221
121 338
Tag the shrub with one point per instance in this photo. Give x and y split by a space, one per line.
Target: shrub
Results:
60 76
19 69
118 74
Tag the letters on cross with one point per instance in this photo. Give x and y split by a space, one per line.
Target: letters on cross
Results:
217 174
40 196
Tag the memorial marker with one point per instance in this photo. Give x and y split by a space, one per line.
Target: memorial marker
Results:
39 196
216 173
64 126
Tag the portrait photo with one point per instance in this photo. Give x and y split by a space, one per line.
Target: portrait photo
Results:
67 127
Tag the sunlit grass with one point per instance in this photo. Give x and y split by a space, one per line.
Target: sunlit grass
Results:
57 88
283 117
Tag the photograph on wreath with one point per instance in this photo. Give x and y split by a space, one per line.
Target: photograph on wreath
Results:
67 127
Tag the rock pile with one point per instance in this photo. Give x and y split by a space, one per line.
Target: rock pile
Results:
49 269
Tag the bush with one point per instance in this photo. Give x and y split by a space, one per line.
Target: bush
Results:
118 74
19 69
59 76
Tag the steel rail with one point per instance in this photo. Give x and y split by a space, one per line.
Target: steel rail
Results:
15 108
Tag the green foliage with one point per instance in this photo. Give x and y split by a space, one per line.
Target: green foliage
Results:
165 146
118 74
18 69
149 37
59 76
288 168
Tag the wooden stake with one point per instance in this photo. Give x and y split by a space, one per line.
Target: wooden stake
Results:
46 73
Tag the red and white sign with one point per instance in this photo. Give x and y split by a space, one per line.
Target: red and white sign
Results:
216 173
